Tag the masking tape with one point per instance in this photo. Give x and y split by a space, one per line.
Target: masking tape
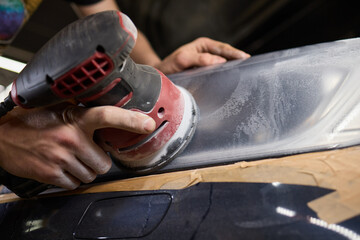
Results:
336 169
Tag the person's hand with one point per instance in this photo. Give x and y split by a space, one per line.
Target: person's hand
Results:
201 52
54 145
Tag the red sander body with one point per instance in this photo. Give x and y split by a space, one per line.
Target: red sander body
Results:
88 61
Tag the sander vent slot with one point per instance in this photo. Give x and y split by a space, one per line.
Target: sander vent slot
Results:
84 76
146 139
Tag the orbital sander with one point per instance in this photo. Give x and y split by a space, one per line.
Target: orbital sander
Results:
88 62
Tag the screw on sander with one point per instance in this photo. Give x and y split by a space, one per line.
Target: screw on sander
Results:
88 61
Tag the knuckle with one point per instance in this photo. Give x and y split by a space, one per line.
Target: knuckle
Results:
89 178
135 120
103 115
70 114
129 120
58 178
69 184
225 46
67 137
202 39
72 186
181 59
62 162
58 158
203 59
50 177
104 167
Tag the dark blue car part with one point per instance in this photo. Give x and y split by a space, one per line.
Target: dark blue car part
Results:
204 211
133 216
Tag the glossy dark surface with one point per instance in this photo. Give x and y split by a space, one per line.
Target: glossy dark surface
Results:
123 217
204 211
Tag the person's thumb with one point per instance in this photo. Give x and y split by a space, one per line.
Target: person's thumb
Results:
94 118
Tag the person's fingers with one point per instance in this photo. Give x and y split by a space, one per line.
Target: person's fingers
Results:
219 48
80 171
90 119
184 60
62 167
56 176
227 51
68 181
76 148
200 52
73 150
94 118
205 59
91 155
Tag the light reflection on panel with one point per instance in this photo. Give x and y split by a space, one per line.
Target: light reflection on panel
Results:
349 234
336 228
285 212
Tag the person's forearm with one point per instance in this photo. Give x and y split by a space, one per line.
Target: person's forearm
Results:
200 52
86 10
142 53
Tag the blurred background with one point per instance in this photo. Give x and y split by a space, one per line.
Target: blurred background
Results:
255 26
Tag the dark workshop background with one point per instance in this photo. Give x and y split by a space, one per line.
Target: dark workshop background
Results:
255 26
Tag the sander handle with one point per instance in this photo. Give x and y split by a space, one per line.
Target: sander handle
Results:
68 48
88 61
108 36
23 187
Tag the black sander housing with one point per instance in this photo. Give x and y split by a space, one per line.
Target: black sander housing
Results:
88 62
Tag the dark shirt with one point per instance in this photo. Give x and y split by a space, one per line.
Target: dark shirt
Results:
169 24
84 2
14 14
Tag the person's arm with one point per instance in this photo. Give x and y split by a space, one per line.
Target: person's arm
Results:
142 53
200 52
54 145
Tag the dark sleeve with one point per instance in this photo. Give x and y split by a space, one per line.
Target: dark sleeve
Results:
84 2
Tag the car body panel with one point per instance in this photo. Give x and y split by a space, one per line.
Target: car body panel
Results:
272 105
281 103
203 211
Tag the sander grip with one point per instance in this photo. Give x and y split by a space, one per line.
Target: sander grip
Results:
23 187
